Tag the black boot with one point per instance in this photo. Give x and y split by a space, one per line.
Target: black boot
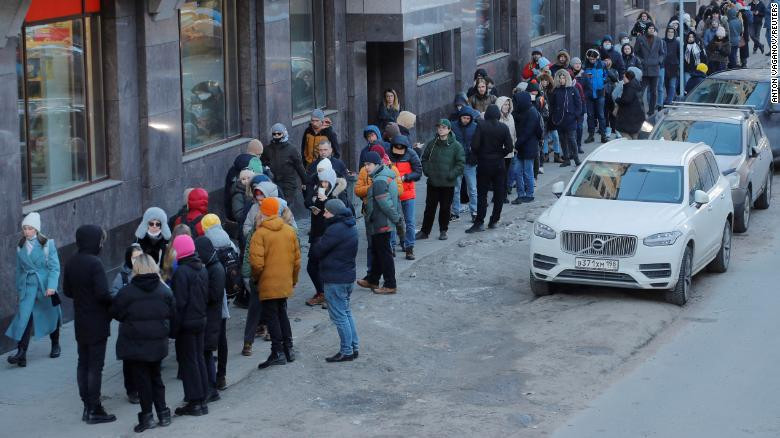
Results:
477 227
145 421
19 357
85 413
97 414
55 350
193 408
275 358
213 396
289 351
338 357
590 138
164 416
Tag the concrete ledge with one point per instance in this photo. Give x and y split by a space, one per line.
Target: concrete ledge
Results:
433 77
70 196
490 57
198 154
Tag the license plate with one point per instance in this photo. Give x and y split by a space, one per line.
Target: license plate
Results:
596 264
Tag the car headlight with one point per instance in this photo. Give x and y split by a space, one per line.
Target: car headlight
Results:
543 231
733 179
662 239
646 127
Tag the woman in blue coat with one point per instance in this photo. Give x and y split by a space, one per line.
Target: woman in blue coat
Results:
37 277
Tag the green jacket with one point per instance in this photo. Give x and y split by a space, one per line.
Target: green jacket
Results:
443 161
383 209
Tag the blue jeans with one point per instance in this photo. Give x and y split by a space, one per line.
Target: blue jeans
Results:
408 210
595 109
470 173
671 88
337 295
552 137
524 175
661 86
733 56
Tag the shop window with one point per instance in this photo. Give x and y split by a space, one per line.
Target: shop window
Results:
209 72
307 55
488 30
546 18
60 90
430 54
631 4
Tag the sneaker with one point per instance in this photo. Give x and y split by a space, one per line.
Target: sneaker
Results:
247 350
366 284
443 235
385 290
517 201
590 139
454 217
316 300
541 170
421 235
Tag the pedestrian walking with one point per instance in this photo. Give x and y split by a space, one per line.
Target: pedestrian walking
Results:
530 130
84 280
146 311
37 277
652 51
746 17
190 289
442 161
565 108
214 300
492 142
336 252
153 233
630 115
275 257
121 280
759 10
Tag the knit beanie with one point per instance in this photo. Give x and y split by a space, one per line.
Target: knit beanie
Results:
317 114
406 119
209 221
379 150
269 207
184 246
33 220
255 165
576 60
336 207
702 67
373 157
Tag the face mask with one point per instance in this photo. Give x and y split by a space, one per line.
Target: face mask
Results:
204 96
155 234
607 46
625 41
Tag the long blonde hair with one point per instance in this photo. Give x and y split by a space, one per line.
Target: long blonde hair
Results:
396 104
145 264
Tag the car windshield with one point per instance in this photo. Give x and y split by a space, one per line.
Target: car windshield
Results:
731 92
723 138
629 182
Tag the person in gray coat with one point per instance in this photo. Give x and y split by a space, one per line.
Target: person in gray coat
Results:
652 51
735 34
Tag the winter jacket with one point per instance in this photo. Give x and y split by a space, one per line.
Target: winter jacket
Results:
640 26
630 114
464 134
528 124
85 281
492 141
385 115
190 286
311 140
443 161
594 79
383 207
630 60
558 66
672 58
286 165
735 27
146 311
275 258
155 247
121 279
719 50
239 201
367 148
507 119
197 207
337 249
565 107
480 103
364 182
216 291
652 52
408 166
696 78
694 54
240 163
614 54
759 11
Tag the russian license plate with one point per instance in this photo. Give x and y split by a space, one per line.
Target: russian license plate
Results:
596 264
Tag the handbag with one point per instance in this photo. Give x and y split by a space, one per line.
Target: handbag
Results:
55 300
742 42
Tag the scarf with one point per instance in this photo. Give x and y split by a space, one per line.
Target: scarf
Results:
28 244
154 236
692 50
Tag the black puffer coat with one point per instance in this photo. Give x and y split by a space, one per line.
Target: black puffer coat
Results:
492 140
216 290
630 114
190 285
146 311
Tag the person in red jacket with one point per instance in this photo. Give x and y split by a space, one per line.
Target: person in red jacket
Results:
409 167
532 69
197 207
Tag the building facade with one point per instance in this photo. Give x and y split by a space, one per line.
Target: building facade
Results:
113 106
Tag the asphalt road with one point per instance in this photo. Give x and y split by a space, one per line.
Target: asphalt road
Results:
716 376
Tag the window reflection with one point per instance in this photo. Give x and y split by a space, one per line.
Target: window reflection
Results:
430 54
544 18
307 50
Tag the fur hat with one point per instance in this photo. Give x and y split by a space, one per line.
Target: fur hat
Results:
157 214
184 246
209 221
270 207
32 220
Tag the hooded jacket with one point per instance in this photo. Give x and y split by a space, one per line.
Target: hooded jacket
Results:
275 258
481 102
85 282
565 104
492 141
652 52
285 162
630 115
367 148
125 273
595 77
460 99
443 161
558 66
735 26
190 285
310 140
507 120
672 57
216 291
383 207
408 165
464 134
696 78
240 163
146 311
613 53
528 124
337 249
197 207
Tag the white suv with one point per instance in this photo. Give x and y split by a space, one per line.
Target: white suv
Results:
645 214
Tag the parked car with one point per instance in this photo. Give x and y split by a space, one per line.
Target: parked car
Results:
646 214
741 149
744 86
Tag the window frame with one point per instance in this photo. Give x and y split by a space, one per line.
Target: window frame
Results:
440 55
226 83
318 29
496 21
706 177
558 25
83 17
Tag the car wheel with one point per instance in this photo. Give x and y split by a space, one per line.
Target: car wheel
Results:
541 288
763 201
742 214
721 262
682 290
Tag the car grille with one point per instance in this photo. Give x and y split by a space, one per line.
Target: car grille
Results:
656 270
577 274
598 244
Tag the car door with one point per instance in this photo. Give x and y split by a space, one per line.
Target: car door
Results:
754 162
713 220
698 218
764 151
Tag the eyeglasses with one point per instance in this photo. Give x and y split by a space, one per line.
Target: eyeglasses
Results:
157 224
277 134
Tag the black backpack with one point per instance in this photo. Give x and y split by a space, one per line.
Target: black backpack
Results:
192 224
234 284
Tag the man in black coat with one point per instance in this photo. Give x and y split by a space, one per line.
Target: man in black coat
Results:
285 163
216 293
190 289
86 283
491 143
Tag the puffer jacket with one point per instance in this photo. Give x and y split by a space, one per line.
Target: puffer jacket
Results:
337 249
197 207
735 28
216 291
383 206
565 106
492 141
443 161
408 166
630 114
285 163
190 288
275 258
529 127
464 134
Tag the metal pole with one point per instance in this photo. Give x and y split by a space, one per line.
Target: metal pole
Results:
681 27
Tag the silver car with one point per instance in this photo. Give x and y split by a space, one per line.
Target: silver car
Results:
741 148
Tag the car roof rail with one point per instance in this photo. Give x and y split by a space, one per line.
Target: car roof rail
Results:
749 108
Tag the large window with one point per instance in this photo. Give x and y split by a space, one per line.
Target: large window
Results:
60 98
631 4
546 18
430 54
307 55
209 72
488 31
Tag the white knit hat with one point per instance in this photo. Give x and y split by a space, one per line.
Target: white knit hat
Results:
34 220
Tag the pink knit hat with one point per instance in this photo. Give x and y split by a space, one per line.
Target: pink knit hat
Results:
184 246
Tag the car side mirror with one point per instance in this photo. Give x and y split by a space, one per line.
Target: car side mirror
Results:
753 151
700 198
557 188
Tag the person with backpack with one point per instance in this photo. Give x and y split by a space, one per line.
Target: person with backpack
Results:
197 207
530 131
37 279
121 280
153 233
214 309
